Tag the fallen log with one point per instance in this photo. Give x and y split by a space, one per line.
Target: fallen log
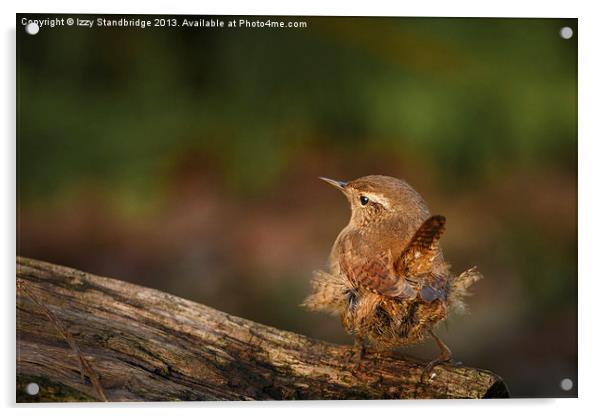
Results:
82 337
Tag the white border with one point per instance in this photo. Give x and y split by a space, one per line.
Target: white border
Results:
509 8
590 177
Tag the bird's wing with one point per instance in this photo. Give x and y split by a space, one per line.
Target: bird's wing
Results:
406 276
376 274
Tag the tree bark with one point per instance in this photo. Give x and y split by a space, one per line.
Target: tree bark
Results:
84 337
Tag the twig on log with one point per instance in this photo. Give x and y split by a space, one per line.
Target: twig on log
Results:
139 344
84 365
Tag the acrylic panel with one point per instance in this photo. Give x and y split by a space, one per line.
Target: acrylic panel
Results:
295 208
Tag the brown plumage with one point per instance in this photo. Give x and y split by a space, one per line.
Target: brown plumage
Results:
388 280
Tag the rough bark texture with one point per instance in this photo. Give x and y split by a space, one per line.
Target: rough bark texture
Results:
83 337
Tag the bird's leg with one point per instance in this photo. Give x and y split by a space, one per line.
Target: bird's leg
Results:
360 348
357 352
444 356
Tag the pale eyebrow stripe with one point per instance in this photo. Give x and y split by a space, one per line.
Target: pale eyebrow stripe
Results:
377 198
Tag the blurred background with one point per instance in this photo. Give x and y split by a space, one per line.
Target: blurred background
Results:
187 160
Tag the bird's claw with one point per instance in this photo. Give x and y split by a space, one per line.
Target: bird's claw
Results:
427 374
356 354
354 359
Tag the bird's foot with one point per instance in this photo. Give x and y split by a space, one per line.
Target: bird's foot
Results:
356 354
354 360
427 371
444 357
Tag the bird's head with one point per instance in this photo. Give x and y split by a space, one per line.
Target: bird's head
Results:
376 198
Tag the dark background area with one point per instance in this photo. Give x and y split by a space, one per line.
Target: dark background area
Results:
187 160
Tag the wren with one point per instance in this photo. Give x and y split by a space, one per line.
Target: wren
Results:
387 278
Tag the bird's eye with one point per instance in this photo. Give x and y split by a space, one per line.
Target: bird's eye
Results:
364 200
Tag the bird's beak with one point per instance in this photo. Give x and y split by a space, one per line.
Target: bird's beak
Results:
337 184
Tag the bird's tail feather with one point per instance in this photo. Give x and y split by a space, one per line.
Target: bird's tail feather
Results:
459 288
